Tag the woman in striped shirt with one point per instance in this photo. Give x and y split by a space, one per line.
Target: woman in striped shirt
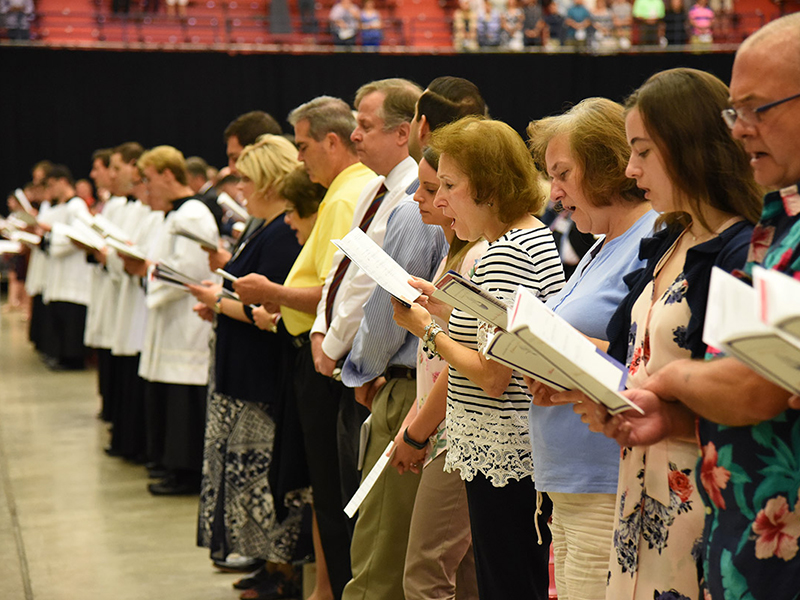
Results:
489 189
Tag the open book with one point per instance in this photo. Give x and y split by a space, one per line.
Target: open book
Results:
206 243
778 300
225 201
733 325
10 247
129 250
456 290
382 268
81 234
542 345
166 274
29 239
107 229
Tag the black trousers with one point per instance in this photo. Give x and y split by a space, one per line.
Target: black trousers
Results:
64 340
105 378
176 423
318 408
128 424
508 559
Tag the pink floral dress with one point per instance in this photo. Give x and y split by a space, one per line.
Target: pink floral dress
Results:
659 512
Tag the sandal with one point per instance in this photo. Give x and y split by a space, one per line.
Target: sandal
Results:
276 588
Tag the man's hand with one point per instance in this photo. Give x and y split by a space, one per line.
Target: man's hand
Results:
253 289
322 362
134 266
100 255
365 394
203 312
218 258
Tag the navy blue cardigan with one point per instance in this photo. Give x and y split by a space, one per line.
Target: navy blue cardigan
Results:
728 251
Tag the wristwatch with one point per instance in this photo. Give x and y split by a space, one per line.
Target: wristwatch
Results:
218 306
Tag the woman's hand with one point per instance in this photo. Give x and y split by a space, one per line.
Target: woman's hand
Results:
405 457
206 293
414 319
427 301
541 394
264 319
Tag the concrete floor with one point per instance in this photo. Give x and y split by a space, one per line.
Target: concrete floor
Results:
74 523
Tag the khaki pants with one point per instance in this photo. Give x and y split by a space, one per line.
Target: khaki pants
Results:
440 564
380 537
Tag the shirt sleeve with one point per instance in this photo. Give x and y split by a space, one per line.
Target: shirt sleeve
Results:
416 247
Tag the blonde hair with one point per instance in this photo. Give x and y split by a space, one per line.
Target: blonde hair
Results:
267 161
595 130
163 158
497 163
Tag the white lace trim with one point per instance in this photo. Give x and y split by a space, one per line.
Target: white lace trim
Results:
484 442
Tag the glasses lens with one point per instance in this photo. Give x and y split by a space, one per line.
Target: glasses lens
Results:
729 116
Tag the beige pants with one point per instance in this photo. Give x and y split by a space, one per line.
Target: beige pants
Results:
583 531
380 537
440 564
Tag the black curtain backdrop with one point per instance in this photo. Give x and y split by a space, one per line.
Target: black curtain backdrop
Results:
63 104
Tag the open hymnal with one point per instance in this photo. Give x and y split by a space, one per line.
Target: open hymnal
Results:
81 234
107 229
10 247
29 239
456 290
206 243
371 258
129 250
733 325
778 300
369 481
239 211
166 274
542 345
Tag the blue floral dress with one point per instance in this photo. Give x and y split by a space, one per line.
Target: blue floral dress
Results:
750 476
659 517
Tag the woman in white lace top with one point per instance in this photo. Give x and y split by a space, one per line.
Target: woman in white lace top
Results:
489 189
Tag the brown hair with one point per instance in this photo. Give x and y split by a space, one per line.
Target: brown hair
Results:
248 127
680 109
399 101
595 129
497 163
303 194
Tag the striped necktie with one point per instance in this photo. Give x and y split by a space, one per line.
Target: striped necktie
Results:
345 262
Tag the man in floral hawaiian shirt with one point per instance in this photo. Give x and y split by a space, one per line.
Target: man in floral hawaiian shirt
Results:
748 431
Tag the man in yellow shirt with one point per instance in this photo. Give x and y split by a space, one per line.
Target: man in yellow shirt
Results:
322 129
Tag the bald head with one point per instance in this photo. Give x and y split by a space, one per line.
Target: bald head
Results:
783 33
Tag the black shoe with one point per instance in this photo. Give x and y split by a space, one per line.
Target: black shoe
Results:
172 486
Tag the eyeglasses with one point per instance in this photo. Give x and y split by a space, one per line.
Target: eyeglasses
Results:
751 116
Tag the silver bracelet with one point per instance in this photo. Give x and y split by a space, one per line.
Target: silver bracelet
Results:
429 339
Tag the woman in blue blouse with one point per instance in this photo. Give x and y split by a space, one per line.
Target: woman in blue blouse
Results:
584 153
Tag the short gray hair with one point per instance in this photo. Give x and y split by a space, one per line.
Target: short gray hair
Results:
326 114
399 102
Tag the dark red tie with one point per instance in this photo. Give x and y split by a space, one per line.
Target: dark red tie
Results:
342 268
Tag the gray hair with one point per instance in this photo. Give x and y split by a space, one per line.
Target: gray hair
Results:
399 102
326 114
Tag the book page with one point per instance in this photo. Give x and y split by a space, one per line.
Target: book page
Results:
368 483
238 210
778 300
126 249
205 243
566 356
373 260
456 290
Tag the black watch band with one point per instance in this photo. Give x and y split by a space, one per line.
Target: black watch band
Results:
413 443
